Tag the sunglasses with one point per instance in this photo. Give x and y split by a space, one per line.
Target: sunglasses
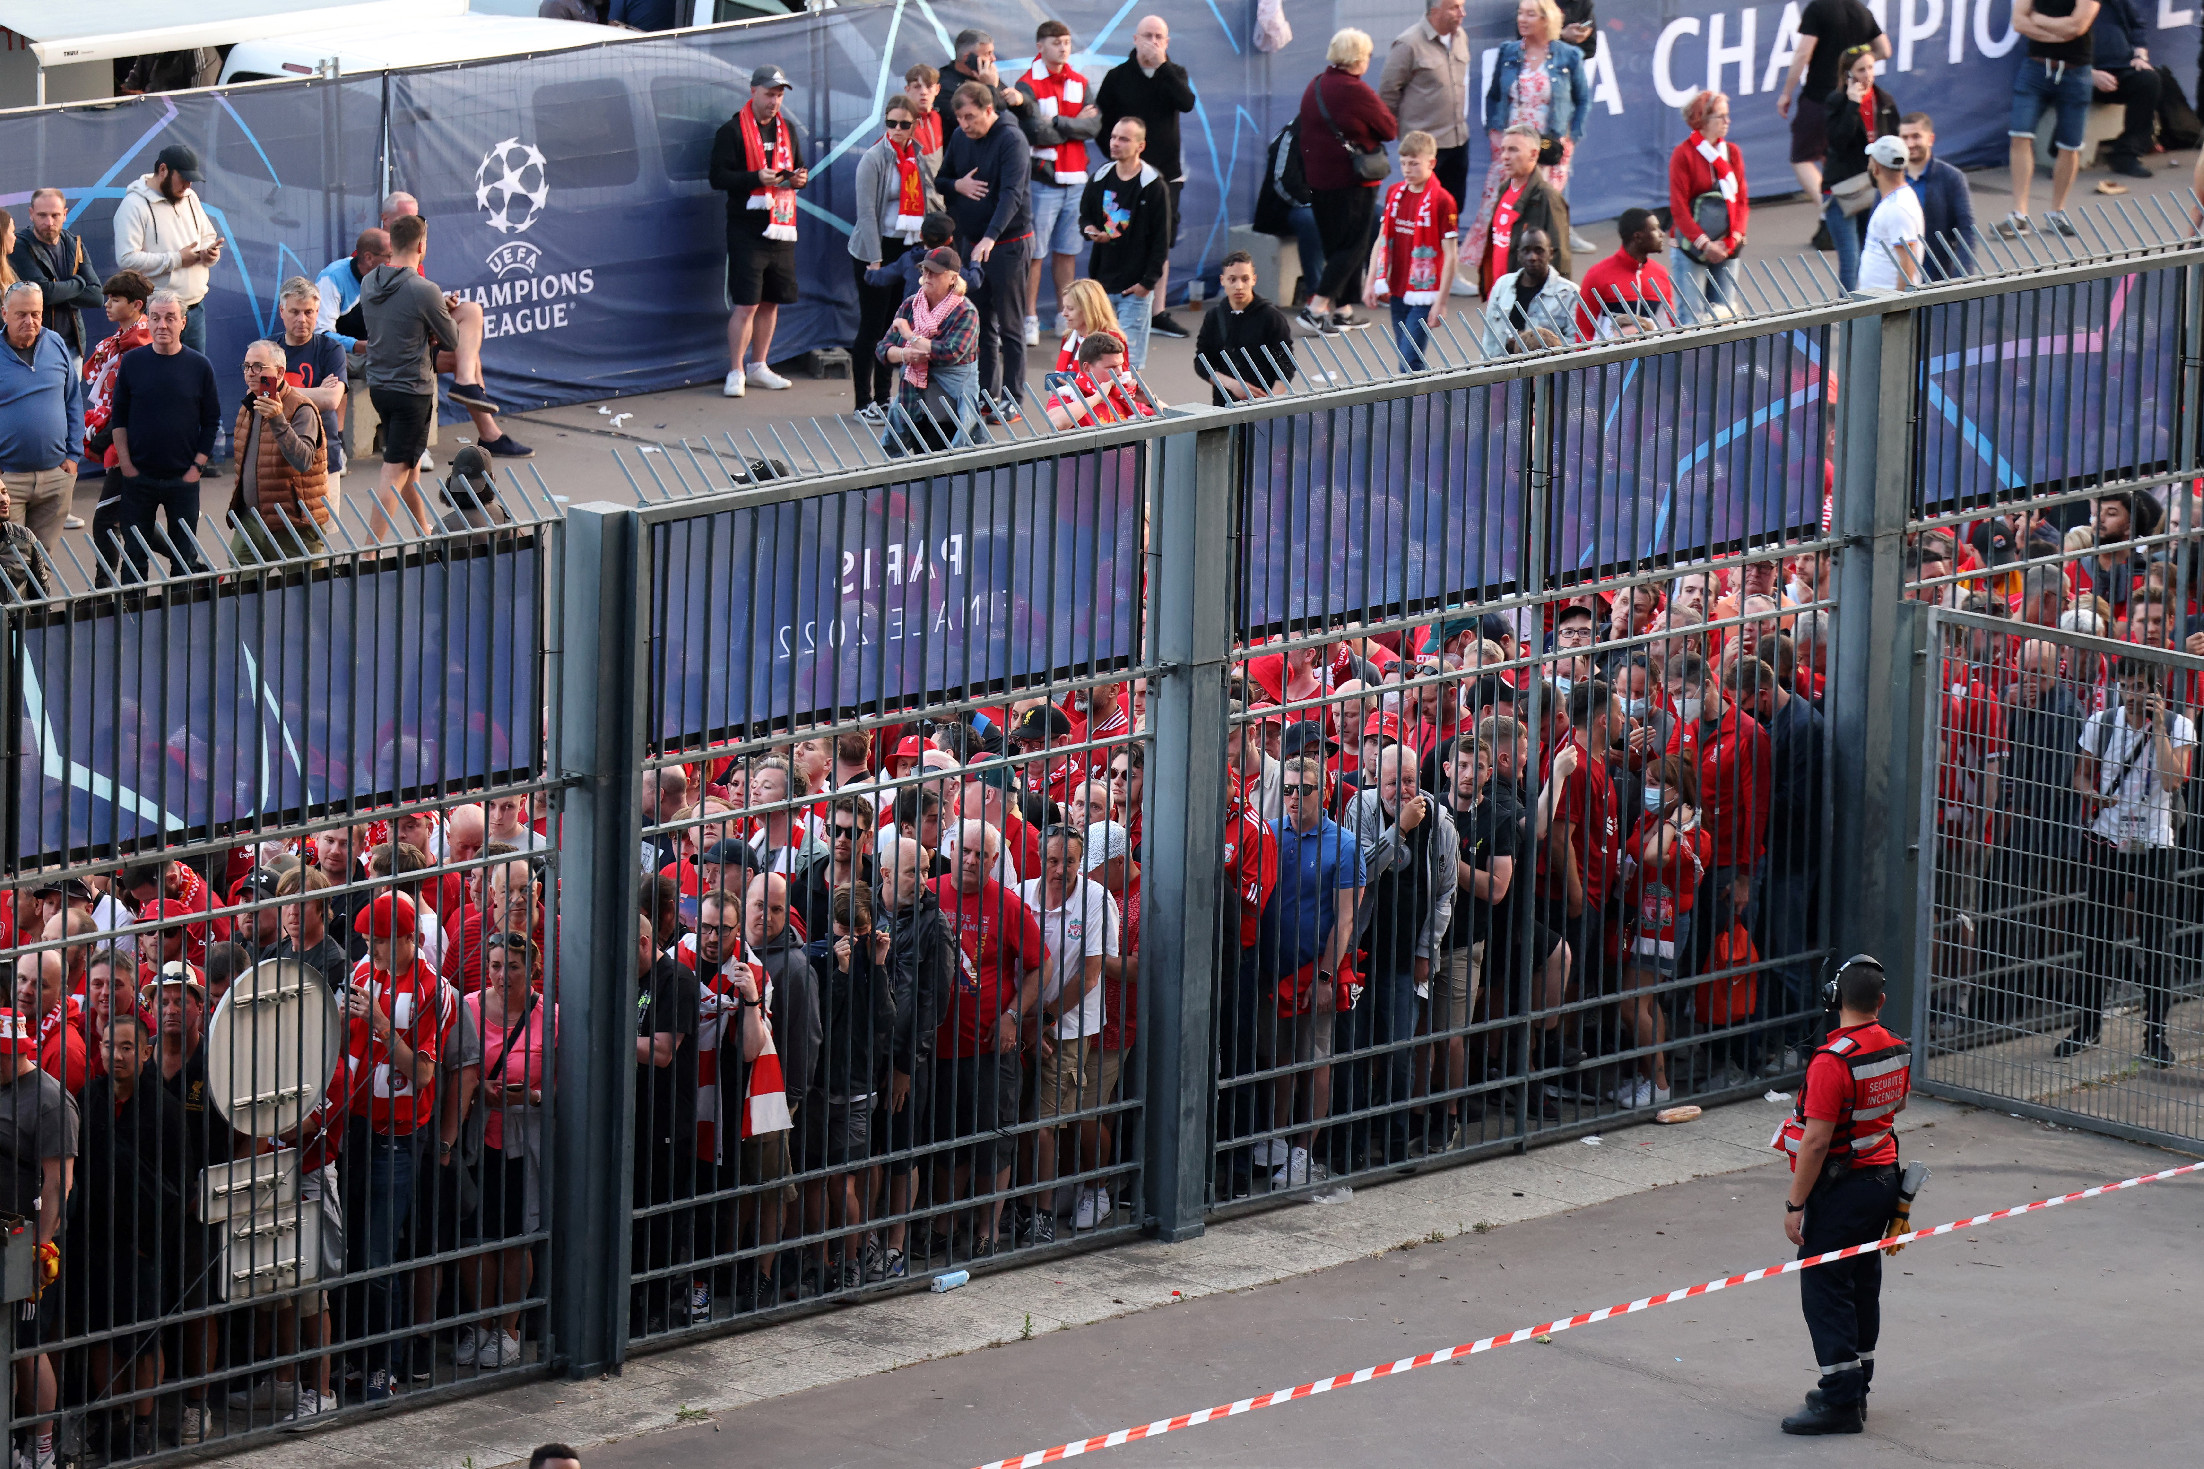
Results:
901 127
1296 790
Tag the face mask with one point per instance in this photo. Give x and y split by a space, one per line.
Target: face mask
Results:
1653 797
1636 708
1688 709
1563 685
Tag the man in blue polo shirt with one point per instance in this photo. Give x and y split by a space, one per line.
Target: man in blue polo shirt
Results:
1308 929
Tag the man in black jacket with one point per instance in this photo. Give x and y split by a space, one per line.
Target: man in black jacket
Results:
1154 88
52 259
1246 345
988 167
920 970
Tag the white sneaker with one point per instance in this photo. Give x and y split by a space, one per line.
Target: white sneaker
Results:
470 1342
733 387
499 1349
762 376
1661 1094
311 1405
191 1420
1264 1154
1296 1172
1060 328
1033 331
72 522
1095 1205
428 462
1465 285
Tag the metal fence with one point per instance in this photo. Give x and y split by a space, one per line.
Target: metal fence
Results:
927 861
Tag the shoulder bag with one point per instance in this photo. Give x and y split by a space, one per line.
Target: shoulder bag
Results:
1370 165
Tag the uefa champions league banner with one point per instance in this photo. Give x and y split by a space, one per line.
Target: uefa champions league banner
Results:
182 718
882 598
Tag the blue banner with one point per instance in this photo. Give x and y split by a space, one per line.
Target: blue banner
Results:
2039 389
258 706
881 598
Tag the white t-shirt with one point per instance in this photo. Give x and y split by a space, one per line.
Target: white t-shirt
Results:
1896 221
2140 809
1084 928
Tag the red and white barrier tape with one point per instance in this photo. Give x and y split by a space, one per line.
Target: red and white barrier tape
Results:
1470 1349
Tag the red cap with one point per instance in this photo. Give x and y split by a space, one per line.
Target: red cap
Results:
388 916
161 908
1384 725
18 1037
1270 713
911 747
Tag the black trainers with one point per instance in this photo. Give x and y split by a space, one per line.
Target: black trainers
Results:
471 395
505 446
2127 167
2156 1051
1163 326
2073 1045
1318 321
1821 240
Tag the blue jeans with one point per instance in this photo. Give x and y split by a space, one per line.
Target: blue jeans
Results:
195 326
1411 331
376 1181
1849 231
2064 85
1700 288
1056 221
942 415
1132 315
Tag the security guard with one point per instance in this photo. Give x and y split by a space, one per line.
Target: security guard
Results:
1844 1188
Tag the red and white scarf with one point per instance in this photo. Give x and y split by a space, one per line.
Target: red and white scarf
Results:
69 1012
926 321
910 199
1053 95
781 203
928 132
1426 245
1717 156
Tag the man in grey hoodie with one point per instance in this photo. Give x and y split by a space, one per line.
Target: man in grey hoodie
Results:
407 322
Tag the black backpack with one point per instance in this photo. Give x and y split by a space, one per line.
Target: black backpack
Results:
1285 183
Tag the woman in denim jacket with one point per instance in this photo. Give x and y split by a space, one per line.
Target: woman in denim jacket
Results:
1538 81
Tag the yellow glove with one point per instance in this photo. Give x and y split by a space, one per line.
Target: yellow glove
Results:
1901 1222
48 1256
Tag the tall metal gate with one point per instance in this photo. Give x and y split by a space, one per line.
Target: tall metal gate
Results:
2059 778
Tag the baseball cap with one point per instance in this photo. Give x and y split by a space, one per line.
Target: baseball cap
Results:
390 915
17 1038
1106 839
992 770
912 747
770 75
470 482
1300 737
181 161
942 258
1495 627
1456 627
1384 724
730 852
1889 152
261 882
1993 542
1041 723
175 971
66 887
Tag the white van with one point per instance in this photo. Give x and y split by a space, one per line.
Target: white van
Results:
357 49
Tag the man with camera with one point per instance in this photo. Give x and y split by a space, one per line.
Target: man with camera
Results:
2135 754
281 502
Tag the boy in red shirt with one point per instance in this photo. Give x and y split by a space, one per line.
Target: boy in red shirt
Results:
1099 391
1417 252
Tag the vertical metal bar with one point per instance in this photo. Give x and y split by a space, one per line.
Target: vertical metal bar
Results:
601 749
1191 514
1870 705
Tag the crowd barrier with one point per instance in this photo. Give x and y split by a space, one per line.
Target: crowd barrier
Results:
854 872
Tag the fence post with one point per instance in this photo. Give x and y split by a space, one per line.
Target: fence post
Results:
1189 529
1874 704
599 702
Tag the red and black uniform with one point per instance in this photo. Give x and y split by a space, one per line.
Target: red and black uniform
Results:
1858 1079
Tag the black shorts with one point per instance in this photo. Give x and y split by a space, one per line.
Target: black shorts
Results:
38 1323
833 1132
973 1097
899 1132
502 1212
437 1215
761 272
1809 130
406 418
1178 217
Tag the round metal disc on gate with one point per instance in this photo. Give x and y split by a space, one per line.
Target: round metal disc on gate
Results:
272 1046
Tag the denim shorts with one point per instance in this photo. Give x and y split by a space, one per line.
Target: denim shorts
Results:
2040 84
1056 218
